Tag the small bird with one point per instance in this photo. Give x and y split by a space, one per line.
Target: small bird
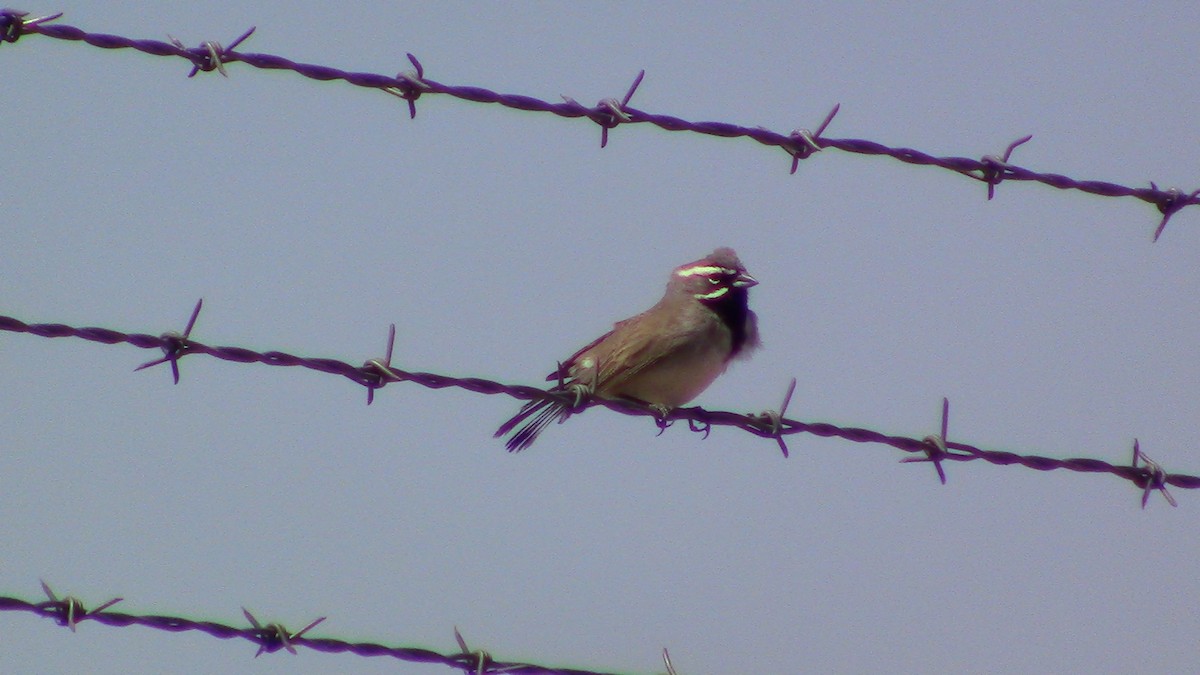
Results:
664 356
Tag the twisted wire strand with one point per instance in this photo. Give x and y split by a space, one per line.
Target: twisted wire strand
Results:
375 373
608 113
270 638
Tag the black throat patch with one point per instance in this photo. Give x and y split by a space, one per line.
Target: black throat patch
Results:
733 308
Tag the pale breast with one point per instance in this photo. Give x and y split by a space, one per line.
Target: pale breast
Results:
675 380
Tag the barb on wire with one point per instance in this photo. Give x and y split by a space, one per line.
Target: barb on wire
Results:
175 345
68 611
805 142
995 168
382 367
13 23
607 114
412 85
935 446
775 418
477 661
1154 479
699 419
1174 201
273 636
610 112
667 662
210 55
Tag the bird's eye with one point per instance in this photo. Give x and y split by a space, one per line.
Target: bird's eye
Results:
714 281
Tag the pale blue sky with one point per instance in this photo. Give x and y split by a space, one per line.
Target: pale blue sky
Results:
311 215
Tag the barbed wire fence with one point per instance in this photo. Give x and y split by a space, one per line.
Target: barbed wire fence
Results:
69 611
800 144
608 114
375 373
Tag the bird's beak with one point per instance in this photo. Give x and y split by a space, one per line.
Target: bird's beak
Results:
744 280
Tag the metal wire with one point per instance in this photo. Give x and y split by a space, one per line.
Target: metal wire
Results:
376 373
70 612
608 113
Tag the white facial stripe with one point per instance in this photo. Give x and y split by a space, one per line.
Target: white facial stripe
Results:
706 270
714 295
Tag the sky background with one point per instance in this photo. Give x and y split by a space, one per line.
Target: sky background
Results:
310 215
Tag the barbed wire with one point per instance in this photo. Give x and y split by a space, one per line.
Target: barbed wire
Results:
375 373
799 144
69 611
608 113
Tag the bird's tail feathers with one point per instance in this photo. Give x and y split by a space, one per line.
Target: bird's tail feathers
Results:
546 412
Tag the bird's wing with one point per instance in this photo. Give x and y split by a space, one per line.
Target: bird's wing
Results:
565 368
628 351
